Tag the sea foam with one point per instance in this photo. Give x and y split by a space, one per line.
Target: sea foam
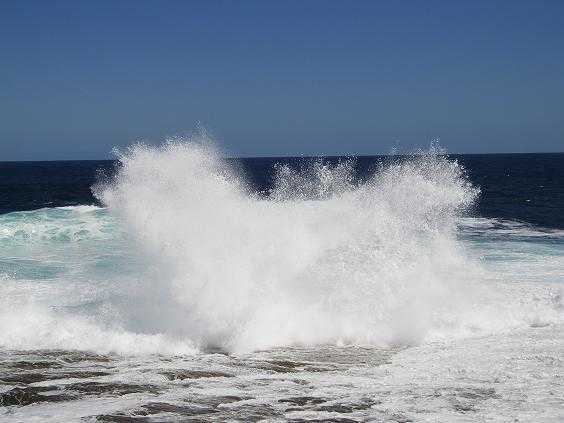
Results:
322 259
186 256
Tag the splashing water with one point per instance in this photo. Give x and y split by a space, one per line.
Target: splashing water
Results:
338 294
321 261
186 256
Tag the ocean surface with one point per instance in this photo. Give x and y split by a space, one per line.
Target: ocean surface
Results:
174 285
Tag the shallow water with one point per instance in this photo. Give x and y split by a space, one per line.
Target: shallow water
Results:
513 376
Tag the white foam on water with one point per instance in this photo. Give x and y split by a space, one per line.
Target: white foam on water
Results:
186 257
322 260
63 224
333 276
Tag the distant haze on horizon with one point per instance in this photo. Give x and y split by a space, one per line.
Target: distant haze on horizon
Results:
281 78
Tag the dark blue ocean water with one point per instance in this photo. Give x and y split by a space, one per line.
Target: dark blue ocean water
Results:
523 187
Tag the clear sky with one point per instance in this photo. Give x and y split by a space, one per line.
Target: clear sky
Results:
281 77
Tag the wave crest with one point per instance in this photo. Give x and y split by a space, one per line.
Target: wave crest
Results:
323 259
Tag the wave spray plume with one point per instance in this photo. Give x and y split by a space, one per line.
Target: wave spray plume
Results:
321 259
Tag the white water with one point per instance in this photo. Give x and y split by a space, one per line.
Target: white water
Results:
185 258
382 297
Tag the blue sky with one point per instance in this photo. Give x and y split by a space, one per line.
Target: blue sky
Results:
281 78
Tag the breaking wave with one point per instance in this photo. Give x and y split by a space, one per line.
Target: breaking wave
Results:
185 256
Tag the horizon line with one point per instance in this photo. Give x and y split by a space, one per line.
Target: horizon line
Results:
296 156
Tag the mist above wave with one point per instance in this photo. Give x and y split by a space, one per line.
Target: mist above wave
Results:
186 256
323 259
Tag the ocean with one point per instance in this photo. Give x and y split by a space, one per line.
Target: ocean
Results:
175 285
